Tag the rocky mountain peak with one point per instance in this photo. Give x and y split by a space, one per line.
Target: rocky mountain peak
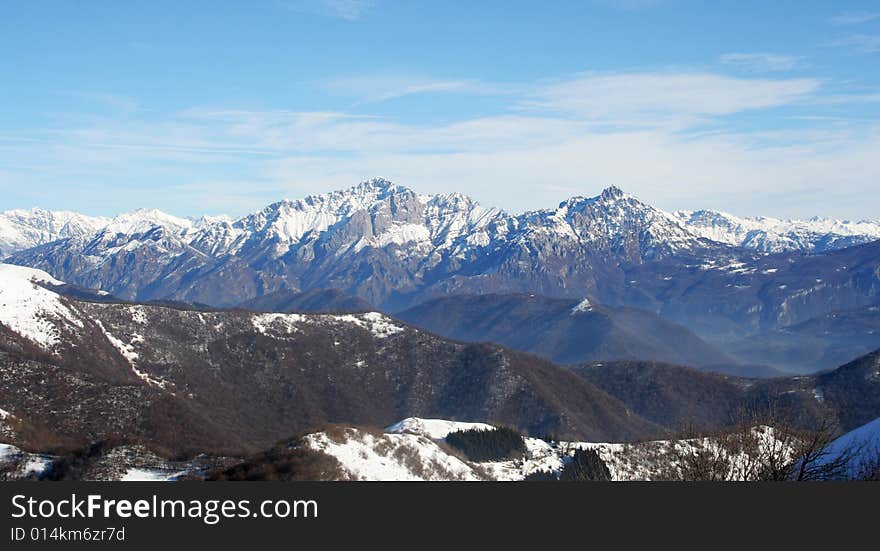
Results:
612 193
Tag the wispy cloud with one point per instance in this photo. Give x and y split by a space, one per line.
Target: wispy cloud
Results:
648 99
854 18
376 88
563 139
114 102
349 10
762 62
859 43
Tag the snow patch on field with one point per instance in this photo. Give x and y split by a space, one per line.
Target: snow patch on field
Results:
138 314
583 306
128 352
36 466
21 464
285 323
7 452
6 429
149 475
30 310
539 457
378 324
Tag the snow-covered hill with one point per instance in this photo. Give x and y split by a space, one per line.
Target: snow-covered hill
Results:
865 440
30 309
415 450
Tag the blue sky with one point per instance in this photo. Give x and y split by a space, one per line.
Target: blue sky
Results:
195 107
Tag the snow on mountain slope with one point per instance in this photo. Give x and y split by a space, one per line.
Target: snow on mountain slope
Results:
31 310
615 217
382 213
380 325
6 429
392 247
379 212
150 475
40 314
16 464
865 440
144 220
414 450
775 235
401 457
436 429
23 229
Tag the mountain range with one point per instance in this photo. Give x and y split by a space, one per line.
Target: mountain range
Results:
289 221
773 235
748 287
138 385
188 380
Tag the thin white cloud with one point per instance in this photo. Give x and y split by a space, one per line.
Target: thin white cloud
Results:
666 98
762 62
349 10
854 18
829 176
115 102
561 144
377 88
859 43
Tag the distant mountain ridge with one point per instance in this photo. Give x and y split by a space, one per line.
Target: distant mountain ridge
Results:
377 240
447 218
23 229
775 235
564 331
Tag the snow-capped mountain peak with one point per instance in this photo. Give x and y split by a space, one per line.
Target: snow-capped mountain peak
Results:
344 239
143 220
776 235
23 229
612 193
615 220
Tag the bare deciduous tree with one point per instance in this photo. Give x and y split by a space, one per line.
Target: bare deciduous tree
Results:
763 444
